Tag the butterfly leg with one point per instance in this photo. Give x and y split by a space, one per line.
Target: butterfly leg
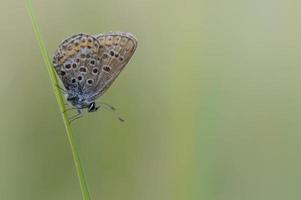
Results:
68 109
77 116
60 88
74 108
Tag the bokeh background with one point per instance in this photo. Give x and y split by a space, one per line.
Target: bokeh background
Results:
211 101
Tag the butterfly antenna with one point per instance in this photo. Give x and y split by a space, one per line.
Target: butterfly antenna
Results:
108 106
113 109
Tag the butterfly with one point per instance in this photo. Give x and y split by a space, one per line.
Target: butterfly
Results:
87 65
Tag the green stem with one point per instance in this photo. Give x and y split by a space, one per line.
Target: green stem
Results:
60 101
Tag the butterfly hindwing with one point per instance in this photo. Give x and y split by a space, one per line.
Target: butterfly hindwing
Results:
77 62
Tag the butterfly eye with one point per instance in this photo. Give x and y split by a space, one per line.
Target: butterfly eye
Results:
89 81
74 65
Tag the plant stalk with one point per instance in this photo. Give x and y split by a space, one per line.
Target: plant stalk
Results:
60 101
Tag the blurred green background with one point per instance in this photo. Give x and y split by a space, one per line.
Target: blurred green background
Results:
211 99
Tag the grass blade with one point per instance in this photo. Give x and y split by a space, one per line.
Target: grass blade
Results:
60 101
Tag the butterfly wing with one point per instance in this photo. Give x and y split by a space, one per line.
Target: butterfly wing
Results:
115 51
75 62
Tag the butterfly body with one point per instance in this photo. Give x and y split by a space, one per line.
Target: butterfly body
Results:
87 65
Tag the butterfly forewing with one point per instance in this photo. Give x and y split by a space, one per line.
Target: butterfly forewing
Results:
115 51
